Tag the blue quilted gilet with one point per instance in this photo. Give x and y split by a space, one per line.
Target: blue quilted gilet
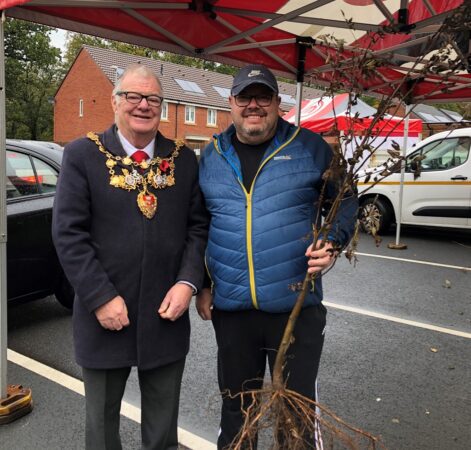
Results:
257 239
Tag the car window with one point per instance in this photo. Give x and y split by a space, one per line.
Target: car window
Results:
443 154
21 180
47 176
462 151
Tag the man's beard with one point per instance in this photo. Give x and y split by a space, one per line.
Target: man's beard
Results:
254 132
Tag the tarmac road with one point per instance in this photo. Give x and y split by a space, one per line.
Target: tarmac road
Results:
396 360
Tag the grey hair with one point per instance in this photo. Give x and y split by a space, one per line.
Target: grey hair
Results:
139 69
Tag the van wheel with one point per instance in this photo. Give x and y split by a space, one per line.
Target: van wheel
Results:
375 216
64 292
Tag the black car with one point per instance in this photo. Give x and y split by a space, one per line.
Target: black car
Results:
33 270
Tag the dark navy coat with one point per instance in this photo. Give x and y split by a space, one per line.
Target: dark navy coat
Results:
108 248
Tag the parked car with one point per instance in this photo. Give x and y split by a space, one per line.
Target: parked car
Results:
437 186
33 270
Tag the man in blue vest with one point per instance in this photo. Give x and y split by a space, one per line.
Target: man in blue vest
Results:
261 180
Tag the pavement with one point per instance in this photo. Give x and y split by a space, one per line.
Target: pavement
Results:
57 419
395 363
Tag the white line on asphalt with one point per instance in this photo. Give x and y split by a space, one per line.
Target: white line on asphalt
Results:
412 323
415 261
132 412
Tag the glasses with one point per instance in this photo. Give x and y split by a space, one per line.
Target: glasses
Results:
261 99
135 98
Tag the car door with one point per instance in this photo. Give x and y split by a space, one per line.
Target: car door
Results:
437 188
31 261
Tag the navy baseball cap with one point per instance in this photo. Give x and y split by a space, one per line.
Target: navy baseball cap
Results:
253 74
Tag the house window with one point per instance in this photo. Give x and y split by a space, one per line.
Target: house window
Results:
223 92
189 86
212 117
164 114
81 108
189 114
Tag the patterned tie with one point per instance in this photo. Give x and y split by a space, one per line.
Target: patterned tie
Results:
139 156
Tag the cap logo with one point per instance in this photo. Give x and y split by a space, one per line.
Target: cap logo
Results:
254 73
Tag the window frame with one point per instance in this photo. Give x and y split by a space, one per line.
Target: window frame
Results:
213 112
42 191
190 110
164 109
225 93
190 87
22 197
436 146
31 157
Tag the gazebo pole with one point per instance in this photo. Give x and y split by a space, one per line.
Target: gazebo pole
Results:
397 245
299 96
15 401
301 44
3 224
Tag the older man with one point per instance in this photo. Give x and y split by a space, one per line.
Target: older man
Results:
129 226
261 180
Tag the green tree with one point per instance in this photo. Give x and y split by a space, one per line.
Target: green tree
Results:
32 73
75 41
197 62
462 108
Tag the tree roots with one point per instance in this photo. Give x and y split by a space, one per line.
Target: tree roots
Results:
297 423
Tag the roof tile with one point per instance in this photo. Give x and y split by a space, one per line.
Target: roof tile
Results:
111 61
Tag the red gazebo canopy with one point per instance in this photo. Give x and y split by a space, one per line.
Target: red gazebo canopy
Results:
326 113
275 33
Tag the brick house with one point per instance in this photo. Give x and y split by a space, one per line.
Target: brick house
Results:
195 106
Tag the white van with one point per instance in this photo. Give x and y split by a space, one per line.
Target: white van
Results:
440 196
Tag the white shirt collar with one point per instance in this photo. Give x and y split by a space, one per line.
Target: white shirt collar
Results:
130 149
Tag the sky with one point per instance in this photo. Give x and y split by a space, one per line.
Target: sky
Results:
58 39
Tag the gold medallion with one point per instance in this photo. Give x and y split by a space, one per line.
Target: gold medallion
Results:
117 180
110 163
160 176
147 203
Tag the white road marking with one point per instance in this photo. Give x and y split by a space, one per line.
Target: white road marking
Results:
412 323
132 412
415 261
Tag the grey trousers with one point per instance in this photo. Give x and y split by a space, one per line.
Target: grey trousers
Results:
160 395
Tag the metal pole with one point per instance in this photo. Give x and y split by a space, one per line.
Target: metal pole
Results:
3 223
301 45
299 97
397 245
15 401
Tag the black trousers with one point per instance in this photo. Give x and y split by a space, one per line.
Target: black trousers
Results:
160 395
246 340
